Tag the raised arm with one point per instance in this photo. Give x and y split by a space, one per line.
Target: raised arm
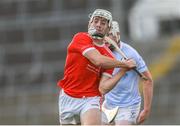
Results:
106 62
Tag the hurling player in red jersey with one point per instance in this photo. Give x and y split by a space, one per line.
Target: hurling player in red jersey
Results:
88 59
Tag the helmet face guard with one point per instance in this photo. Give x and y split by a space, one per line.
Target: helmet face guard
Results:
94 34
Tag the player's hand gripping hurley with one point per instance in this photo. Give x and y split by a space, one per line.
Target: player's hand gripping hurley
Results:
110 41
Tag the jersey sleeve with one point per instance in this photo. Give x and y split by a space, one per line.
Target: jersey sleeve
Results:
141 65
108 72
81 43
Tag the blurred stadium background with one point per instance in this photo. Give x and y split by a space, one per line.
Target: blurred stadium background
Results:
34 35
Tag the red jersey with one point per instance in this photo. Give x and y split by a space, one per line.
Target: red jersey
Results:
81 77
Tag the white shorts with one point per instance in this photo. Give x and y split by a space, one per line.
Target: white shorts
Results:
129 114
71 109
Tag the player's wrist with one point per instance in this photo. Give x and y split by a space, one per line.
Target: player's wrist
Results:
147 110
123 70
123 64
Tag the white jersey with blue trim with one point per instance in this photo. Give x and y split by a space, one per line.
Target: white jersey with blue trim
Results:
126 92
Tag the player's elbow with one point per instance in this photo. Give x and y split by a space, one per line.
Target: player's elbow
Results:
102 90
150 82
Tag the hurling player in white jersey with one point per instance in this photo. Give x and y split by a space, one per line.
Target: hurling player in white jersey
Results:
122 104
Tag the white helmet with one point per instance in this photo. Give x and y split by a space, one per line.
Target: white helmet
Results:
102 13
115 30
115 27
